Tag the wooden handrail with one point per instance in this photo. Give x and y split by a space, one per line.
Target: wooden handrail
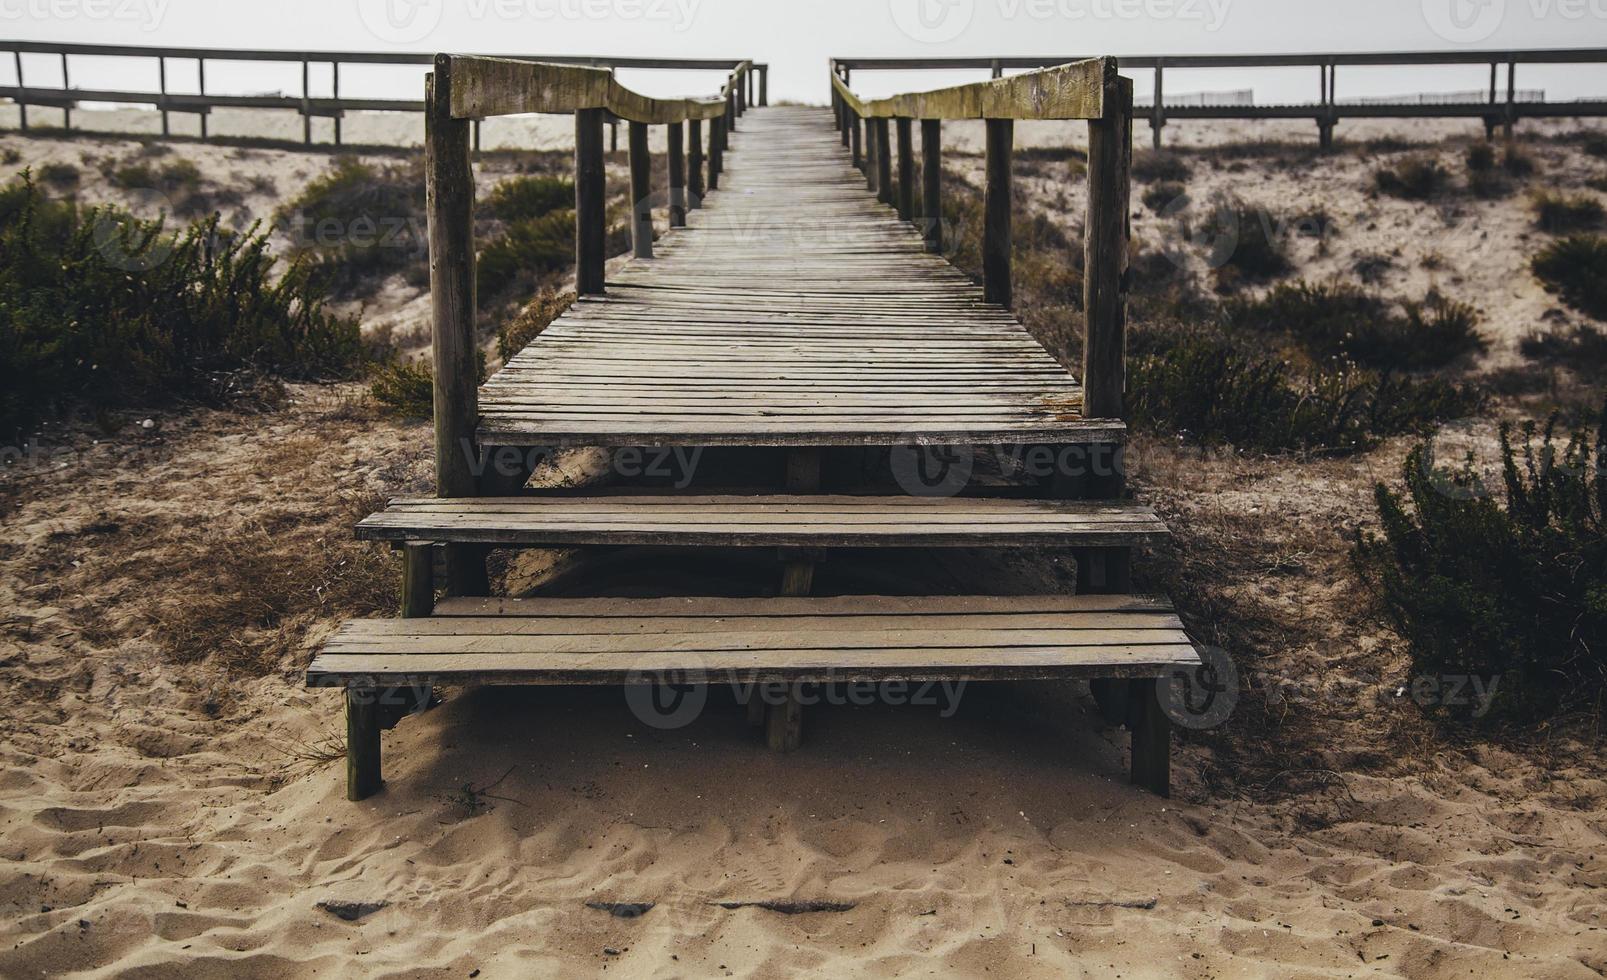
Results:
1092 90
485 87
1073 91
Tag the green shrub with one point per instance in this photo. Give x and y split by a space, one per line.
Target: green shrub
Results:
60 174
1583 346
1517 162
1207 388
526 250
405 389
1158 197
1513 589
526 197
360 224
1594 144
536 316
107 309
1157 165
1480 158
1575 268
1339 320
1561 213
1414 178
1255 237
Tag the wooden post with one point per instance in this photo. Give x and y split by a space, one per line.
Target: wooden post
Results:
1157 116
418 581
871 153
694 175
996 70
677 152
334 91
613 135
591 205
476 130
884 162
716 151
449 202
1105 260
932 182
764 85
641 193
845 121
363 777
730 112
854 140
1152 739
200 69
306 94
66 105
1512 100
161 86
996 243
22 93
906 170
784 721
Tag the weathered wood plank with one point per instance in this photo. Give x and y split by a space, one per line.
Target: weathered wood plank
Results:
1072 91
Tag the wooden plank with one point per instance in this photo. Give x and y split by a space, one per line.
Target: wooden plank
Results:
499 87
1070 91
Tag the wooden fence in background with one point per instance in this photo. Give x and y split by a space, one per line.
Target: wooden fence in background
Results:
333 106
1501 108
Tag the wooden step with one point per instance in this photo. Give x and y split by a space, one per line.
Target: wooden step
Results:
766 521
615 641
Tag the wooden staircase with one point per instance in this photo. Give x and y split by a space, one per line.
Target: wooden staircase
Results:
793 311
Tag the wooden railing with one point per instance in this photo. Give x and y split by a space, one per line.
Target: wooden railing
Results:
462 89
333 107
1091 90
1502 108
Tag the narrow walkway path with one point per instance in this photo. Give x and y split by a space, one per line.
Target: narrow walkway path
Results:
793 310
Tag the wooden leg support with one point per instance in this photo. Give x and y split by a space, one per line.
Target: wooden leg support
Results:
783 730
362 744
1152 739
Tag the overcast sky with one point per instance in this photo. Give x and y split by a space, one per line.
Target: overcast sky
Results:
796 37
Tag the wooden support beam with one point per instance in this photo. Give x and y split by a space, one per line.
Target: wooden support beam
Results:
161 86
855 145
1157 116
591 212
449 202
22 93
764 85
677 153
1105 263
716 151
932 183
872 152
363 777
306 95
884 162
418 581
334 68
613 136
906 169
783 728
66 85
200 68
641 193
694 174
996 240
1152 739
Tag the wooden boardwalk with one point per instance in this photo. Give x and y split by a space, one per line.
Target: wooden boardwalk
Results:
795 318
794 310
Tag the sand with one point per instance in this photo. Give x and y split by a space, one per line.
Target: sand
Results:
168 816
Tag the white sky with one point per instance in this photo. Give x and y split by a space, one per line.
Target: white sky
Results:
798 37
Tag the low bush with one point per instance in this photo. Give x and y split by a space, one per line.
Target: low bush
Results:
107 309
1511 590
405 388
60 175
1248 243
1339 320
1562 213
523 198
1207 388
525 251
1580 347
1415 178
1159 165
1166 194
1516 161
359 224
1575 268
